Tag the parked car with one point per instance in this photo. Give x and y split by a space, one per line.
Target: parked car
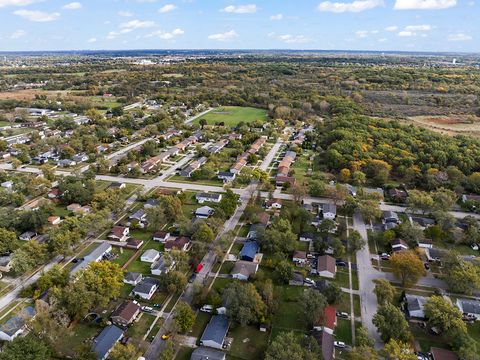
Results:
309 281
207 308
427 266
385 256
343 314
474 246
339 344
166 336
192 278
147 308
341 263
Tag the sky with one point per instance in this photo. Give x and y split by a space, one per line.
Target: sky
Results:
382 25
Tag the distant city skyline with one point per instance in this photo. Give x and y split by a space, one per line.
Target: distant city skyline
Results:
377 25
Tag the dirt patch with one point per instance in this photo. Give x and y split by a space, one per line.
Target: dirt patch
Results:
449 125
29 94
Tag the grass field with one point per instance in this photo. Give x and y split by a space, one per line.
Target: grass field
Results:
232 115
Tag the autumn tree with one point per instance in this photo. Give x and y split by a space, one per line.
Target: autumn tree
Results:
184 317
384 291
444 316
8 241
244 304
407 267
124 352
398 350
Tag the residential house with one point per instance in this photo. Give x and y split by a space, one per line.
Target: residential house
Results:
150 256
214 334
95 255
195 165
249 251
203 353
390 217
106 340
299 257
238 166
329 211
414 305
125 313
469 307
140 215
297 279
180 243
28 235
218 146
282 180
146 288
378 191
470 197
134 244
397 195
425 243
119 233
54 220
252 232
273 204
54 193
66 163
7 185
399 245
208 197
204 212
117 186
132 278
421 222
226 176
5 263
326 266
162 266
80 158
73 207
329 319
161 236
442 354
16 325
150 203
306 237
434 255
242 270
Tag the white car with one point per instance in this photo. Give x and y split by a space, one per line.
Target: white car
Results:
474 247
207 308
339 344
147 308
309 281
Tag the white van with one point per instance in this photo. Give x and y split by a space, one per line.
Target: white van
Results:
207 308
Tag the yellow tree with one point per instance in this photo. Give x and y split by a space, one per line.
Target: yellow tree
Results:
407 267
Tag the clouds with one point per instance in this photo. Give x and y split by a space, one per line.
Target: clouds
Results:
5 3
224 37
241 9
135 24
414 30
72 6
276 17
424 4
167 35
92 40
18 34
167 8
36 15
356 6
459 37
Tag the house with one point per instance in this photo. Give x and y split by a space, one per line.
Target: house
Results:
150 203
425 243
390 217
146 288
82 210
253 231
125 313
414 305
66 163
54 220
203 353
226 176
134 244
299 257
180 243
80 158
306 237
378 191
16 325
28 235
329 319
470 307
73 207
242 270
161 236
470 197
326 266
7 185
329 211
325 341
297 279
397 195
195 165
54 193
421 222
208 197
442 354
249 251
119 233
204 212
150 256
352 190
215 332
434 255
116 186
132 278
5 263
95 255
140 215
273 204
282 180
162 266
399 245
106 340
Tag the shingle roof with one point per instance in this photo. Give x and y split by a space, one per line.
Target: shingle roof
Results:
216 329
249 250
326 263
127 310
15 323
203 353
106 340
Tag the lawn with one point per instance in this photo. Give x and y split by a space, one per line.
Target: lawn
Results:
343 331
139 267
140 327
123 255
201 322
72 343
289 314
232 115
248 342
342 278
184 353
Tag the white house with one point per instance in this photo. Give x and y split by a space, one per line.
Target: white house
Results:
329 211
150 256
299 257
15 326
469 307
243 270
399 245
326 266
146 288
161 236
208 197
415 304
132 278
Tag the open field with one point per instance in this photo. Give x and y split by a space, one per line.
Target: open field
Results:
232 115
29 94
449 124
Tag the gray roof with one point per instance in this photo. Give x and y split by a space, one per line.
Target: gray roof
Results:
203 353
150 254
212 196
92 256
133 276
145 286
104 342
204 210
470 306
15 323
415 302
216 329
330 208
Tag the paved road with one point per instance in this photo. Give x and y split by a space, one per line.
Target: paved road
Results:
366 274
193 118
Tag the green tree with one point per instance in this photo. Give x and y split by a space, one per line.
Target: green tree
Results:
184 317
363 338
397 350
288 346
156 218
25 348
8 241
420 200
384 291
391 324
407 267
28 257
204 234
284 271
462 276
313 303
244 304
124 352
363 353
355 242
334 293
446 317
173 282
